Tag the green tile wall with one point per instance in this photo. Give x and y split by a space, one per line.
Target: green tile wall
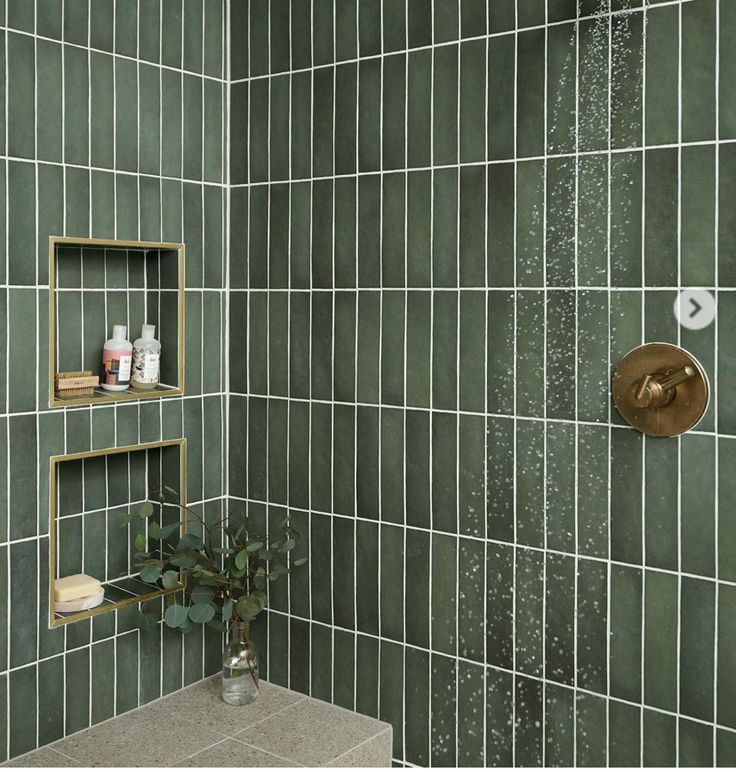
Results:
115 128
448 221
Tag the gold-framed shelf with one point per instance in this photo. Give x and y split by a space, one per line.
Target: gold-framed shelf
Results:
95 283
122 587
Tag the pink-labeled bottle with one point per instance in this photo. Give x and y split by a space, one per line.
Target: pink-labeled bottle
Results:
117 357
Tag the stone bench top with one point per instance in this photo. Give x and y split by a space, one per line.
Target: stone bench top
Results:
195 728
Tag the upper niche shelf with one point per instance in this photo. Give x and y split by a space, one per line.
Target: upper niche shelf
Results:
96 283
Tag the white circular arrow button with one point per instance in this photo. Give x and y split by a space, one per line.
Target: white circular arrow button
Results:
695 308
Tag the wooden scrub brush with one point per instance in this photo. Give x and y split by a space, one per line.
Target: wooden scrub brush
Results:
75 384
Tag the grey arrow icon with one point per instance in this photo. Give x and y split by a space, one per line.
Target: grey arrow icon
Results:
697 308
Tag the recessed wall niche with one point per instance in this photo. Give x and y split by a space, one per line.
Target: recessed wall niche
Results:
96 283
88 493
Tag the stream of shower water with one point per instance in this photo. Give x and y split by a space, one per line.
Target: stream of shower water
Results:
605 56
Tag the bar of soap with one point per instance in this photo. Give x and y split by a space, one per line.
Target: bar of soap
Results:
74 587
80 604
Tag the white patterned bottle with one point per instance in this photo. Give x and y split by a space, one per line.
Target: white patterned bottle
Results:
146 359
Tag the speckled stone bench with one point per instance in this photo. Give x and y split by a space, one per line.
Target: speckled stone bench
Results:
195 728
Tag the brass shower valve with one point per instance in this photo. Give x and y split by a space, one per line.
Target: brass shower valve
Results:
660 389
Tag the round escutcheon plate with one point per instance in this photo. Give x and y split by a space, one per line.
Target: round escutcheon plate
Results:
660 361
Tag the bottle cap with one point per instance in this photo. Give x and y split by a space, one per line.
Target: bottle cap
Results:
148 331
119 331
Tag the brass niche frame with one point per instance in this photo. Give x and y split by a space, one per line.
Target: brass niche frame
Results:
178 390
54 463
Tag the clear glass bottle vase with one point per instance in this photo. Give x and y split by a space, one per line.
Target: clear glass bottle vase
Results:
239 667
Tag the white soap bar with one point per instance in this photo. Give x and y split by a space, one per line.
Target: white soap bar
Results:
75 587
81 604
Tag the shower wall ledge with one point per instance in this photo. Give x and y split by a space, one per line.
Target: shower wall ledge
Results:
195 728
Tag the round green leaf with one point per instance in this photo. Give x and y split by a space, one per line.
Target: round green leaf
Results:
254 546
146 510
150 574
141 542
201 594
170 579
288 544
167 530
299 562
201 613
241 559
154 530
176 615
227 609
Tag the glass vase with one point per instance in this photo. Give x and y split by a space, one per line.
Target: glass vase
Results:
239 667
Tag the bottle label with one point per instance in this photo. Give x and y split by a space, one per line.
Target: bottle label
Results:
146 363
117 367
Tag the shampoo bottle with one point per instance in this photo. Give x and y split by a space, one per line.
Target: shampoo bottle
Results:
116 360
146 359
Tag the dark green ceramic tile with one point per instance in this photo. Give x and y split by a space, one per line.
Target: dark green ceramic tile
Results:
444 472
499 718
446 22
592 665
323 91
699 72
343 462
149 119
417 590
394 105
392 465
443 703
343 669
660 640
697 622
279 37
76 674
471 600
416 688
500 606
561 86
366 686
49 19
530 88
418 309
369 113
697 505
301 109
417 468
592 218
659 740
593 85
367 577
529 612
661 217
101 115
561 210
472 226
626 219
321 461
322 203
392 348
660 504
501 494
528 734
501 97
301 36
21 191
698 217
725 709
471 698
445 254
626 503
530 224
20 95
51 700
392 589
278 331
560 487
695 744
590 730
419 101
530 353
22 701
626 633
22 598
23 486
471 482
662 75
443 594
49 112
300 321
322 31
446 105
344 346
726 364
627 67
366 473
343 566
500 356
559 722
560 353
345 117
725 747
624 733
368 346
592 355
592 486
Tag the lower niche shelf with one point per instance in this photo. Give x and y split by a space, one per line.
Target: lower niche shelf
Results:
118 592
88 493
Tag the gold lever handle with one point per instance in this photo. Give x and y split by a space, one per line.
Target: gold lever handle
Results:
675 379
658 390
